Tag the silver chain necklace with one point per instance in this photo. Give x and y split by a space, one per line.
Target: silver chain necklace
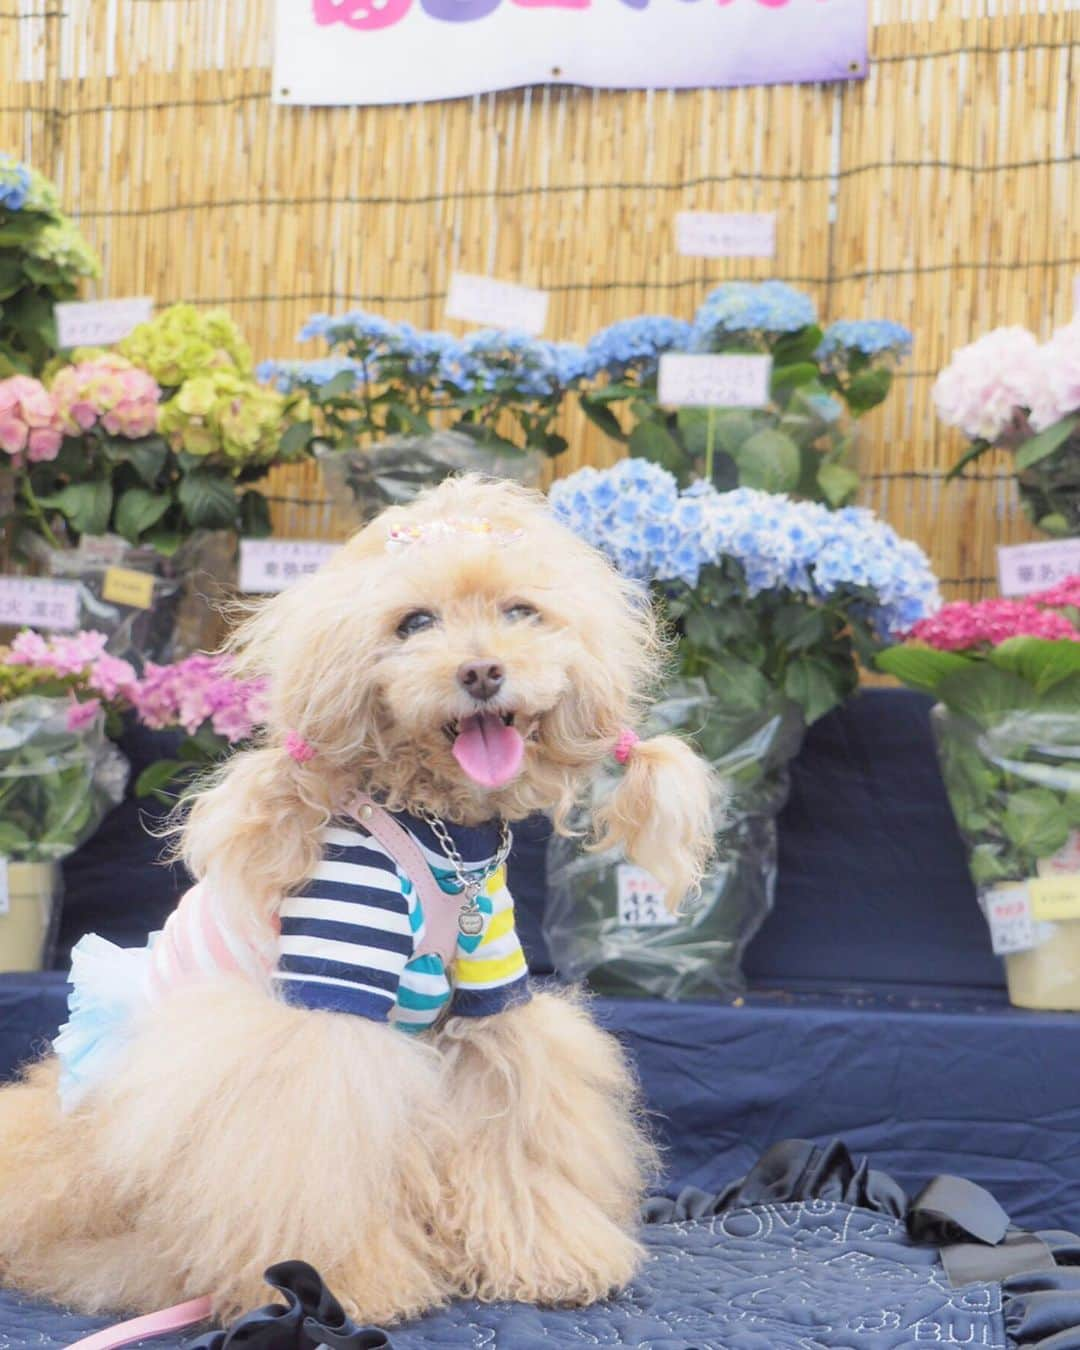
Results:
470 919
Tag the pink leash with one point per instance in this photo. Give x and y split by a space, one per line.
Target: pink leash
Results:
440 915
153 1324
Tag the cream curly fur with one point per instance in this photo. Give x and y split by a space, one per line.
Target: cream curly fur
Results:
500 1157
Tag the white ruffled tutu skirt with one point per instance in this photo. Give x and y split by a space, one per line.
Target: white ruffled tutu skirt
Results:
110 988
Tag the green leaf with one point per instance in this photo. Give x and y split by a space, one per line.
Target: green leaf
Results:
137 510
838 483
611 393
785 379
209 502
165 541
14 843
255 515
799 626
975 451
553 444
769 460
813 685
1036 822
1046 442
1055 523
11 276
344 382
87 506
985 693
737 686
921 667
867 389
603 418
295 439
147 457
986 865
1041 661
158 775
651 440
799 346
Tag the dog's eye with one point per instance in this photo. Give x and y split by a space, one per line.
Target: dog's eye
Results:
415 622
518 613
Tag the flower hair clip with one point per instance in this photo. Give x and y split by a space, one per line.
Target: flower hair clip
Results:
434 531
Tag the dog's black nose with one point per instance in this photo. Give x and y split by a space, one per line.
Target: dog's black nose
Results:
481 679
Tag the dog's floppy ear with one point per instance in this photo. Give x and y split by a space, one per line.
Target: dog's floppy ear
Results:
662 814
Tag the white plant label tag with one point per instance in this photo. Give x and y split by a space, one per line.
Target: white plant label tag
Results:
726 234
271 565
714 381
641 899
496 304
97 323
1025 568
37 602
1008 912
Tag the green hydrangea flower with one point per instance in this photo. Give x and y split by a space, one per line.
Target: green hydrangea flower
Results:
181 343
61 244
220 412
41 195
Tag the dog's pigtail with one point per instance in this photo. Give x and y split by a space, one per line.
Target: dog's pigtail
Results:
254 831
662 813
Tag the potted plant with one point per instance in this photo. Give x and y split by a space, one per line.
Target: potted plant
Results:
821 384
1006 677
769 602
43 258
1006 392
148 463
394 409
59 776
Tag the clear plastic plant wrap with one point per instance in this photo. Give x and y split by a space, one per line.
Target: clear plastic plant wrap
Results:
57 784
393 471
188 589
605 923
1007 677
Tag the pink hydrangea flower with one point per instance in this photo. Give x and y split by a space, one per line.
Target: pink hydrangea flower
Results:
984 383
109 390
82 715
78 654
30 420
960 626
1066 592
196 690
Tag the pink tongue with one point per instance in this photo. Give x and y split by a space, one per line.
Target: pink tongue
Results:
489 751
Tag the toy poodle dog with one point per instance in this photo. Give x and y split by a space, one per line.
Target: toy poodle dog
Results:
331 1051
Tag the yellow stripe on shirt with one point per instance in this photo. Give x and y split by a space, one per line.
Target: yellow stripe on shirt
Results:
478 972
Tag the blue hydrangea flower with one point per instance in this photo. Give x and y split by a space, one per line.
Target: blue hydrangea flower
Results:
14 183
635 514
871 337
507 364
287 376
635 344
750 307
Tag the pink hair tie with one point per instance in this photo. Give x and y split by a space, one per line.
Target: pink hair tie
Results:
297 748
626 742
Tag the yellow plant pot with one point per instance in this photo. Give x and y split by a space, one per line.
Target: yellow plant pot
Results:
33 893
1047 976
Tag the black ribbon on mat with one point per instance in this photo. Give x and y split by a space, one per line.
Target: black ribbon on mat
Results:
310 1317
973 1233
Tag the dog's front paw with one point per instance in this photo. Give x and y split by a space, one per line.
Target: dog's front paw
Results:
548 1273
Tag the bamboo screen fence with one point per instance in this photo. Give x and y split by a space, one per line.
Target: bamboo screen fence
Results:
944 191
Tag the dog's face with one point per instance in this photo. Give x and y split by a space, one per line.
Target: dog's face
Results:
481 668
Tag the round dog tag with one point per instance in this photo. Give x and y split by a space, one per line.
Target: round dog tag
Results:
471 922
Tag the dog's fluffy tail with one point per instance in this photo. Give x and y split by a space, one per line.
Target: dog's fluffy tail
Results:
662 814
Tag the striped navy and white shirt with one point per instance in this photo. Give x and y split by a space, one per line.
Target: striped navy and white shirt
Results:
348 939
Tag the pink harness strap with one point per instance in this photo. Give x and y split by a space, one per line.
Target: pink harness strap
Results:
141 1328
440 910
